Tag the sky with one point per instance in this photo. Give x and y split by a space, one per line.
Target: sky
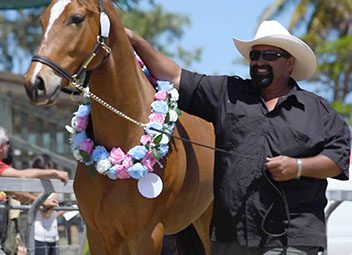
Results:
214 24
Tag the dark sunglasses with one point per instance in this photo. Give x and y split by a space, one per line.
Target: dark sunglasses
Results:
268 55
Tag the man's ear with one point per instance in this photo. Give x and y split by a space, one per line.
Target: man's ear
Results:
291 63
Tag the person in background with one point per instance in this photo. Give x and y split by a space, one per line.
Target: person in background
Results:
46 233
25 197
281 144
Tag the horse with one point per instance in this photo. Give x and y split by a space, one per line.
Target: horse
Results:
78 39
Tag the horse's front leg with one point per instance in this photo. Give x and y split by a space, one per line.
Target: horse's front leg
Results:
95 243
148 242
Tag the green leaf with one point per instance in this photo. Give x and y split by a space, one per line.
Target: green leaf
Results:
86 157
167 118
178 111
155 154
157 139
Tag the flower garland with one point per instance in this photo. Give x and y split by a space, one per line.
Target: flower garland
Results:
139 160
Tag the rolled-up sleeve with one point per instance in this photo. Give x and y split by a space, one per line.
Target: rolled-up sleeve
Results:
338 142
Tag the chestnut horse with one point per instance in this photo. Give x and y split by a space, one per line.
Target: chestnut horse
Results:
119 220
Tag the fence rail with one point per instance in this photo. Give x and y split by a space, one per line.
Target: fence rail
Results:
44 186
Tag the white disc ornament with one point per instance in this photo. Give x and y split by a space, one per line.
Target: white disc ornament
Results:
150 186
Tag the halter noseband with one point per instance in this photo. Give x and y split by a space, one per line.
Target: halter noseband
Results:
100 44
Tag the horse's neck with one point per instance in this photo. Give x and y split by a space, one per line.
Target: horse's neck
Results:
121 83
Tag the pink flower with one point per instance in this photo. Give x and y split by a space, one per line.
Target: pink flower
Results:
121 172
127 162
160 95
157 117
116 155
148 161
81 123
87 145
145 139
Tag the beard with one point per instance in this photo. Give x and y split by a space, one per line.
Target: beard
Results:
261 80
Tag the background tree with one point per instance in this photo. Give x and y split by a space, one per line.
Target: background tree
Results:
20 32
328 29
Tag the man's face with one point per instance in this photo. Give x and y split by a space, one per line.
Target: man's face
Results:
4 149
269 65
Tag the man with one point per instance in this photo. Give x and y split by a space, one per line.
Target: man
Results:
282 143
25 197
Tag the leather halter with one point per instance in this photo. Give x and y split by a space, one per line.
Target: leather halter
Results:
100 44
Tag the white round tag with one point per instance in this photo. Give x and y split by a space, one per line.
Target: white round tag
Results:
150 186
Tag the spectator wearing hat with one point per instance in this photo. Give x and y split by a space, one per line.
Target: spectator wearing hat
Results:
281 144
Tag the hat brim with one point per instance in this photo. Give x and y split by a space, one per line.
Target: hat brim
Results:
306 63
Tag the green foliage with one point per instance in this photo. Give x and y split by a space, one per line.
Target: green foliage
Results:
336 65
162 29
20 32
344 109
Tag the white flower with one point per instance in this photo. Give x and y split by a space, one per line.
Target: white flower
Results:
173 116
164 139
174 94
74 122
77 155
103 165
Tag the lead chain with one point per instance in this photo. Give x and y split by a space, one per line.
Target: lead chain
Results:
105 104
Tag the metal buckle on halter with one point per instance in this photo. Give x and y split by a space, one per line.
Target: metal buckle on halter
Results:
103 45
74 81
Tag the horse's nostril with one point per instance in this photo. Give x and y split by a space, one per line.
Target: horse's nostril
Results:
39 84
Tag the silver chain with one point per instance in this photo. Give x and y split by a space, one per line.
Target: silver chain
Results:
105 104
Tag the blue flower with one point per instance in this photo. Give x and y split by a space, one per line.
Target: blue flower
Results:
151 127
137 171
138 152
83 110
112 173
160 106
100 153
78 139
163 149
164 85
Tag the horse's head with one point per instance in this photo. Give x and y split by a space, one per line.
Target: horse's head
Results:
67 48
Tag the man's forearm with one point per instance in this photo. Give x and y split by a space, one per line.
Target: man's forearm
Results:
160 66
24 197
320 167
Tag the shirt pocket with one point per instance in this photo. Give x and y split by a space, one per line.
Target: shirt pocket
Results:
289 141
242 131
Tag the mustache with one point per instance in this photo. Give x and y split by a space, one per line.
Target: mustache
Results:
264 66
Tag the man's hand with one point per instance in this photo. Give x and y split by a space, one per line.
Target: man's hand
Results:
61 175
50 204
282 168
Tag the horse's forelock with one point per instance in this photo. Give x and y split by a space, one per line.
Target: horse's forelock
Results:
91 5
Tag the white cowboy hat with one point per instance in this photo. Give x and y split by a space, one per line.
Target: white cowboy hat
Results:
274 34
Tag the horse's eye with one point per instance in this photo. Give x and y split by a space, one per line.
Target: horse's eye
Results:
76 19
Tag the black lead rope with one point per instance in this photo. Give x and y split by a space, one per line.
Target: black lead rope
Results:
203 145
281 192
282 195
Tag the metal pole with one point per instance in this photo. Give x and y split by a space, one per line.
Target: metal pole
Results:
31 218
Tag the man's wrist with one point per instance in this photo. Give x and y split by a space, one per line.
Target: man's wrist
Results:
299 168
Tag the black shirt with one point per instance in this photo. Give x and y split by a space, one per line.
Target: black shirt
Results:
249 206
